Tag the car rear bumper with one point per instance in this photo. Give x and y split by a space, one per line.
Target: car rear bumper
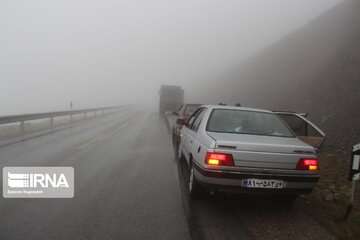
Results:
231 181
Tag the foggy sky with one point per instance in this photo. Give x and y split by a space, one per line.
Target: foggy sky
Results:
98 53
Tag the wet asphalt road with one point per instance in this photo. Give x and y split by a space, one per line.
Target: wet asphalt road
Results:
126 183
129 185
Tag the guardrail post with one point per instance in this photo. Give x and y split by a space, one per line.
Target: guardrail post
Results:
95 114
71 118
85 113
22 127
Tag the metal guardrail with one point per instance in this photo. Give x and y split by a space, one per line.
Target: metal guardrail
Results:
51 115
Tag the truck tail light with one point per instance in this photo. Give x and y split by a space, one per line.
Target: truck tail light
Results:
310 164
219 159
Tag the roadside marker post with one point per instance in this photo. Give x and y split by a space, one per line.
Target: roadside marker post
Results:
355 172
355 163
354 176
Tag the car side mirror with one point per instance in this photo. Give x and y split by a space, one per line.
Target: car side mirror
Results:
355 163
181 122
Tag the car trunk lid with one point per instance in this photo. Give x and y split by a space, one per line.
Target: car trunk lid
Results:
266 152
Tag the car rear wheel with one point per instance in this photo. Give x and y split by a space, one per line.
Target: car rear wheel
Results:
179 154
173 138
194 188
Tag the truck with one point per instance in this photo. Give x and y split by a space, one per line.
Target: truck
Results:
171 98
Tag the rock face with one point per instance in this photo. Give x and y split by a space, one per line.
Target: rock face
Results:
314 70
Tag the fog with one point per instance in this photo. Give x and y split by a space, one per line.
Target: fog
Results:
98 53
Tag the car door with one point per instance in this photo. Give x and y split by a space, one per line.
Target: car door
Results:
186 134
194 138
307 131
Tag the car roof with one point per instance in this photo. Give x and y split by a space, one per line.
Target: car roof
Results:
211 107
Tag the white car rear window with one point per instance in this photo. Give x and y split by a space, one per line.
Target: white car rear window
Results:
247 122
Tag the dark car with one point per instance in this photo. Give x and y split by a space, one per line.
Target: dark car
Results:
182 115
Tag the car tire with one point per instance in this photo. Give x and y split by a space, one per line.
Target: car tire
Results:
195 190
179 154
175 143
173 137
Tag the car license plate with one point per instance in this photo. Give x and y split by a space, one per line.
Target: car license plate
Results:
262 183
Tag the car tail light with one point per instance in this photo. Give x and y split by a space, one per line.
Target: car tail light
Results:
311 164
219 159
